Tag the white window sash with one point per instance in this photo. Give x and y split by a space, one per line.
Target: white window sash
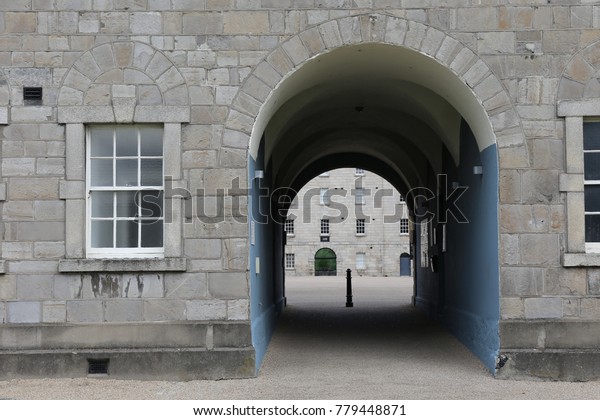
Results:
360 227
121 252
404 227
290 261
324 227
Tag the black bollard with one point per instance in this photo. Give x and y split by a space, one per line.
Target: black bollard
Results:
349 303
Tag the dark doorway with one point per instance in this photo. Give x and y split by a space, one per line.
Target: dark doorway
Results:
325 262
405 264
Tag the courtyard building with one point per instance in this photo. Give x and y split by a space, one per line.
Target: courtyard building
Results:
348 219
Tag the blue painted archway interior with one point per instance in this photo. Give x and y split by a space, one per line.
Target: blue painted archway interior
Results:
360 113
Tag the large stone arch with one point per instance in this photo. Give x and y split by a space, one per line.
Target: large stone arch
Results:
114 81
257 96
281 87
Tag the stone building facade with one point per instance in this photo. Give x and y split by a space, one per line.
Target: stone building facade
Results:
125 188
367 226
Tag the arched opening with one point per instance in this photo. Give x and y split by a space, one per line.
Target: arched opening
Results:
325 262
404 116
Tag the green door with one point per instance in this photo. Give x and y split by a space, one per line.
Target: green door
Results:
325 262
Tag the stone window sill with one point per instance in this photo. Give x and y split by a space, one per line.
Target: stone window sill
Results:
83 265
580 260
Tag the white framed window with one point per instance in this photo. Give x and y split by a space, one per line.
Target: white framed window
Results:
361 261
359 172
289 227
591 184
577 181
290 261
324 227
359 196
125 191
360 226
404 226
324 196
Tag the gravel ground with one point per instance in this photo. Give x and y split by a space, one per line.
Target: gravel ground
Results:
380 349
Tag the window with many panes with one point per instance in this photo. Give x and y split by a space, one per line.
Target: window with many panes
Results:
360 226
580 182
289 227
290 261
591 182
125 190
361 261
401 199
359 172
324 226
403 226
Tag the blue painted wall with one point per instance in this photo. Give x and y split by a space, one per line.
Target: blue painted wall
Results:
263 290
464 293
471 275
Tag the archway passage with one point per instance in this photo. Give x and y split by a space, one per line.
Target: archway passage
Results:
325 262
402 115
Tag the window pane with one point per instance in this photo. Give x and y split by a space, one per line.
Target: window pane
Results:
126 205
152 172
102 233
151 203
404 226
592 228
151 141
101 172
102 204
324 226
592 197
290 260
102 141
127 141
591 136
152 234
127 172
592 165
127 233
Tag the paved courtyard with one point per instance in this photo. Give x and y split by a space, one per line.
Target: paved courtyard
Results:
382 348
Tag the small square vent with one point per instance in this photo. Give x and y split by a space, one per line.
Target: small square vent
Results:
32 95
98 366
